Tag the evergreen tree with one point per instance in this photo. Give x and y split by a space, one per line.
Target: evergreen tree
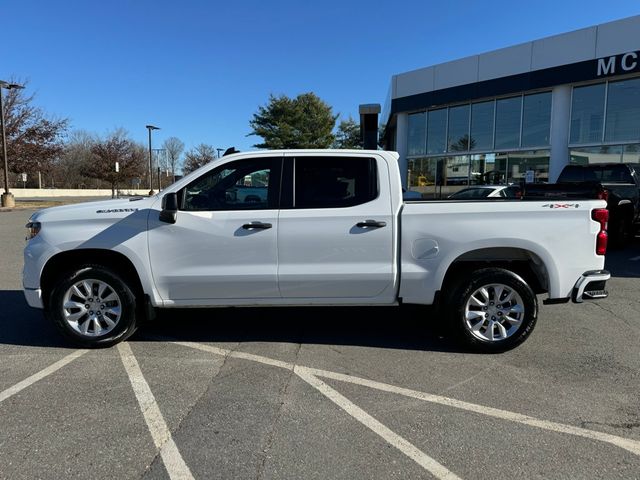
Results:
348 135
302 122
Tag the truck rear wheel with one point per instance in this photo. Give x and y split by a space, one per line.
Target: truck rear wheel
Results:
492 310
93 307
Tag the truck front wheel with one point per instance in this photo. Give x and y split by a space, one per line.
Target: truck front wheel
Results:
492 310
93 307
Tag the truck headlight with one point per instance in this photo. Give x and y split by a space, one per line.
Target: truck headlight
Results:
34 229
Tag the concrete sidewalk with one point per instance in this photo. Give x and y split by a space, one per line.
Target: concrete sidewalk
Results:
46 202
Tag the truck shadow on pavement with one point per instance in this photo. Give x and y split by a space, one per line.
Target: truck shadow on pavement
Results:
411 328
22 325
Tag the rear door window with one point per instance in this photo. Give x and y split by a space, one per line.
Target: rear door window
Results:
334 182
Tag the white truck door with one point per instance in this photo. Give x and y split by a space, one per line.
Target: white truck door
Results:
336 237
223 244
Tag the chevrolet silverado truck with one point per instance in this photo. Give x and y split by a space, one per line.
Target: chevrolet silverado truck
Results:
332 228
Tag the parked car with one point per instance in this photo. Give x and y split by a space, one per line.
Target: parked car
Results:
487 191
333 230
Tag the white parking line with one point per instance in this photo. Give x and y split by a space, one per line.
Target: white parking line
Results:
45 372
410 450
173 461
245 356
628 444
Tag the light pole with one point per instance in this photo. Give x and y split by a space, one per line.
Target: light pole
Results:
160 155
7 197
151 127
219 150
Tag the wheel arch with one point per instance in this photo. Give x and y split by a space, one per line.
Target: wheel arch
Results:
523 262
70 259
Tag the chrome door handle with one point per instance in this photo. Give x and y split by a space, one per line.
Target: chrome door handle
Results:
256 226
371 224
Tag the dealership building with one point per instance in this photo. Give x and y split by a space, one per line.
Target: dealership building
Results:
518 114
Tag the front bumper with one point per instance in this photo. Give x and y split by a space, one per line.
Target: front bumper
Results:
34 297
591 286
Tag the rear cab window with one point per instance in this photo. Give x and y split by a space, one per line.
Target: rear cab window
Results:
596 173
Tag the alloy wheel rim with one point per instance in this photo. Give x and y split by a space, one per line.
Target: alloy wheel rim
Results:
494 312
91 307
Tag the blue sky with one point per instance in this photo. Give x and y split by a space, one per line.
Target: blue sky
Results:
200 69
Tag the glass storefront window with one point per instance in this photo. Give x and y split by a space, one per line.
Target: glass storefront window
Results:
587 113
439 177
606 154
536 119
589 155
508 122
417 141
437 131
422 175
456 171
631 153
623 111
481 126
480 168
458 138
519 163
455 175
413 172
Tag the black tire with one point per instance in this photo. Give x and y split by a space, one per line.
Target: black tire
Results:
460 294
126 323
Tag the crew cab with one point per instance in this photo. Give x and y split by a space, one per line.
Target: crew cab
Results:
330 228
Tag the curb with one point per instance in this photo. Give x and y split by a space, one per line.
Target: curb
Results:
11 209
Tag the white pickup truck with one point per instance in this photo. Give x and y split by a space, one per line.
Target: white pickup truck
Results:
323 227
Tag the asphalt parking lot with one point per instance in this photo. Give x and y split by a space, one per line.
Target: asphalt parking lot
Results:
321 393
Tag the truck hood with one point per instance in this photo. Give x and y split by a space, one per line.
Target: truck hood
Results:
100 210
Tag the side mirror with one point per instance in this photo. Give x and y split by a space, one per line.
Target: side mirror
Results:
169 212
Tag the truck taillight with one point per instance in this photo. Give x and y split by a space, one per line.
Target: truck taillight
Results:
603 195
601 215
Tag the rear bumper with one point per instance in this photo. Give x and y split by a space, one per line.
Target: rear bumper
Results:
34 297
591 286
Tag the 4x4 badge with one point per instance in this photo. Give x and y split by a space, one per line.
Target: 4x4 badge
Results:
561 205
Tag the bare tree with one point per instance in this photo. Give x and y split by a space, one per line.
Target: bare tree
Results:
174 148
34 140
116 148
197 157
68 168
